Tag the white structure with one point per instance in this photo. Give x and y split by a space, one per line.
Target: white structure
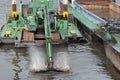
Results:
64 2
13 1
117 2
73 1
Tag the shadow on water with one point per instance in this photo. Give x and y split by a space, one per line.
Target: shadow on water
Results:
17 68
13 62
106 13
51 75
108 66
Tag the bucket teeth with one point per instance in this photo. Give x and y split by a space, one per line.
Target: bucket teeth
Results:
61 62
50 65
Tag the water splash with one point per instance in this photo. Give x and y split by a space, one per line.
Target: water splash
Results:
38 60
61 61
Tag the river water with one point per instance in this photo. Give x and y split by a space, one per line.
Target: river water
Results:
86 62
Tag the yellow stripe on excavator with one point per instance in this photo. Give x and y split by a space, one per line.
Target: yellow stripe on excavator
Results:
65 14
8 32
15 14
73 32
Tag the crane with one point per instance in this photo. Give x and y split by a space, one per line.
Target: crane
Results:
38 23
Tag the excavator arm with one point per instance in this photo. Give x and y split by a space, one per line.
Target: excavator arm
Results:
48 36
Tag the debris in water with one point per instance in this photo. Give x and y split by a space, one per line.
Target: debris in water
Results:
38 61
61 62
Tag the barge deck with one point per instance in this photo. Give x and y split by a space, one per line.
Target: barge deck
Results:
103 31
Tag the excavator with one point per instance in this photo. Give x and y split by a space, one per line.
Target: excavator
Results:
39 23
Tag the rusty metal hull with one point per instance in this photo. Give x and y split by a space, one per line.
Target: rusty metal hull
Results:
99 42
31 39
7 40
113 55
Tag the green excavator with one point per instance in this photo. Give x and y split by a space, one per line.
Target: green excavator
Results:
38 23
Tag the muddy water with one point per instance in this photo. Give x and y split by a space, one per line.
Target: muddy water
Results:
86 62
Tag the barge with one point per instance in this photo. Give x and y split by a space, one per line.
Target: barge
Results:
101 31
38 23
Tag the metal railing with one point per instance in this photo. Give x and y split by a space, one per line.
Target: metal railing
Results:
8 12
97 20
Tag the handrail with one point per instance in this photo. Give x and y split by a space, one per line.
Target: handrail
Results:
97 20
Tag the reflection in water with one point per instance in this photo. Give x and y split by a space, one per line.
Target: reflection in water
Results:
17 68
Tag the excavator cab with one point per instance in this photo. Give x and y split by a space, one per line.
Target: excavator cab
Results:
52 16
